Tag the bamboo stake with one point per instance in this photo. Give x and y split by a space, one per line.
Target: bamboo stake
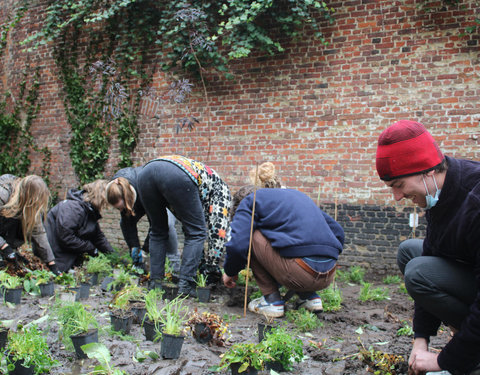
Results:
318 197
250 243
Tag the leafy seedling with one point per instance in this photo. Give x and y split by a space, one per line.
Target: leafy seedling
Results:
392 279
100 352
367 293
406 330
303 319
331 298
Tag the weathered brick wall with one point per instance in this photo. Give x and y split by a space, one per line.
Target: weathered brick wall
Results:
314 111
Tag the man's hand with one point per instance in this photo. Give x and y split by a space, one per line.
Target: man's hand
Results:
229 281
421 360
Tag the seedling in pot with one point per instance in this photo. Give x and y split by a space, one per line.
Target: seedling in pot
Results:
244 355
152 312
99 264
29 347
283 347
173 316
213 328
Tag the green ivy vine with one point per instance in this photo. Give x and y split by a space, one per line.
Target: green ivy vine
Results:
16 140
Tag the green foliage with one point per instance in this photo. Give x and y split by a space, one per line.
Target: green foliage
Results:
10 24
303 319
247 354
402 288
30 345
201 280
16 140
367 293
283 347
66 279
173 315
331 298
392 279
405 330
9 281
129 293
74 319
100 352
354 275
99 264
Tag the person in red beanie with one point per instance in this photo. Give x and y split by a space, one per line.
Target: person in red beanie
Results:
442 272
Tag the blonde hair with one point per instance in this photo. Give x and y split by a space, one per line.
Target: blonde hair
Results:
120 189
28 203
95 194
266 176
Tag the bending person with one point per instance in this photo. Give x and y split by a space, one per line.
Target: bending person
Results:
295 244
442 272
199 198
23 204
73 228
122 194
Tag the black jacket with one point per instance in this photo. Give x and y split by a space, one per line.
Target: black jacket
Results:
73 230
453 232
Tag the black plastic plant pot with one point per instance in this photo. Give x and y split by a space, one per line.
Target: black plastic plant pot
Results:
170 291
275 366
93 278
248 371
83 339
107 280
19 369
83 292
171 346
47 290
3 337
149 330
122 324
13 295
203 294
203 334
263 329
138 310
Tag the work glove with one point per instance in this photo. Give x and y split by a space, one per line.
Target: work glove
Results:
9 254
54 269
136 255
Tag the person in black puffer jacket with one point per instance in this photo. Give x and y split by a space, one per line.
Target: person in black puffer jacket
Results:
72 225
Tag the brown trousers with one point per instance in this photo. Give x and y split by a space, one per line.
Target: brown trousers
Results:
270 269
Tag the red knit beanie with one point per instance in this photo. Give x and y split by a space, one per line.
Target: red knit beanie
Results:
406 148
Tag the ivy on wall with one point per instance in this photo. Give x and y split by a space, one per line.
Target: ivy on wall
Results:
16 141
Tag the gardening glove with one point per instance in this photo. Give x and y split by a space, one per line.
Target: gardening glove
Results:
9 254
54 269
136 255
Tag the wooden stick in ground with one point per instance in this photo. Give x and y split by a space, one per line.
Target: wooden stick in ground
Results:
250 243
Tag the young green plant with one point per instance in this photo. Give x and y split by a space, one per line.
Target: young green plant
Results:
283 347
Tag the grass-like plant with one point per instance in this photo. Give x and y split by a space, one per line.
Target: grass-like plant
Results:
122 279
303 319
173 315
73 319
283 347
392 279
30 346
99 264
331 298
354 275
367 293
201 280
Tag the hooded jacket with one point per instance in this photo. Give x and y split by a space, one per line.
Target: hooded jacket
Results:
73 230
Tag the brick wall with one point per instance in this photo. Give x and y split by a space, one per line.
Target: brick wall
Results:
314 111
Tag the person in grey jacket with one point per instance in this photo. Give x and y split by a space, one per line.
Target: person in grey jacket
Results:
23 204
130 218
72 225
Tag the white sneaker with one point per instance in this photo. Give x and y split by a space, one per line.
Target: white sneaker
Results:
313 303
261 306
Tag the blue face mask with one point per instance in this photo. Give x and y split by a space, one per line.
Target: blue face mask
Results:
431 201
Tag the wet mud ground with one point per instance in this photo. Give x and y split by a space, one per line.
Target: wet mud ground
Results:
331 349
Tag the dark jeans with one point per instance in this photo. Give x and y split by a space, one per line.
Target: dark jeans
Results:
443 287
162 184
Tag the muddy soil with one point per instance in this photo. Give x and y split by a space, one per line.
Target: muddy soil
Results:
332 349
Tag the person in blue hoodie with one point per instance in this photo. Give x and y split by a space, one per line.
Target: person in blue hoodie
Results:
72 225
295 244
442 271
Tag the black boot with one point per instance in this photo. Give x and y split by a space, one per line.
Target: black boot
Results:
187 288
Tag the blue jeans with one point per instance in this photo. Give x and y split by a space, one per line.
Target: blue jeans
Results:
444 287
162 184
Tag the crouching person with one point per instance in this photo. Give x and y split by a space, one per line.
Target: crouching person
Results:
295 244
73 228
